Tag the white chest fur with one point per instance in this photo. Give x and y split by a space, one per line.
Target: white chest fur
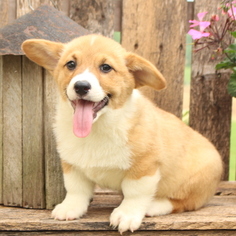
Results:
106 177
107 144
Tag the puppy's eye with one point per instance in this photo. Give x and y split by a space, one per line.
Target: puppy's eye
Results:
71 65
105 68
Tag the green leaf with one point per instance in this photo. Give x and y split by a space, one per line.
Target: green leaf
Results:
232 85
233 34
232 47
231 51
226 64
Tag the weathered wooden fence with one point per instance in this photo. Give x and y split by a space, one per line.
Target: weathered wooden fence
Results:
30 174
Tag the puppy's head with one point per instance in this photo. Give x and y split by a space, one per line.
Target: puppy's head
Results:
94 73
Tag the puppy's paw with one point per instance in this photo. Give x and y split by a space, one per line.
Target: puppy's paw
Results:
65 211
125 219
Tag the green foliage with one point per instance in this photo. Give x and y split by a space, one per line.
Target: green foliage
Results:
233 34
230 63
226 64
232 84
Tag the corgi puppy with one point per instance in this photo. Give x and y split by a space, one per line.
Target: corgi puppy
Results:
109 134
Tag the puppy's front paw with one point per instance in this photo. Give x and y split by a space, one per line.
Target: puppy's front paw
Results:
65 211
125 219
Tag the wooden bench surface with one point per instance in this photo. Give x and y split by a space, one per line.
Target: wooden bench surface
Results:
217 218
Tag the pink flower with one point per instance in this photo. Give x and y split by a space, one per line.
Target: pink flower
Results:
232 12
215 18
202 24
201 15
230 4
198 34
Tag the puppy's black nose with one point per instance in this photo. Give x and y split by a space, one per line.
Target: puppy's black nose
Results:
82 87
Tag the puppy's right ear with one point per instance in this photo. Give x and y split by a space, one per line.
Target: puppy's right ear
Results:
43 52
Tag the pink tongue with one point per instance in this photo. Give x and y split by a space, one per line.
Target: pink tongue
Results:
83 118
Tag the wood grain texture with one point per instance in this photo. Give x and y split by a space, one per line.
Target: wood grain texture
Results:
3 13
25 6
157 32
210 103
136 233
1 130
12 131
33 144
7 12
210 112
97 16
117 15
216 218
54 180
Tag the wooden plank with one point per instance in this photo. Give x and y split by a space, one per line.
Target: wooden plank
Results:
210 112
54 181
33 149
64 6
118 15
218 215
25 6
7 12
96 16
1 121
136 233
210 103
3 13
158 34
190 11
12 131
227 188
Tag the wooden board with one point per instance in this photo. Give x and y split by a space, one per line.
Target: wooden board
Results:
54 181
33 145
97 17
157 32
217 218
3 13
117 15
12 131
7 12
1 126
25 6
137 233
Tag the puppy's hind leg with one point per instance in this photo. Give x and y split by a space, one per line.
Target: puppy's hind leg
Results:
160 206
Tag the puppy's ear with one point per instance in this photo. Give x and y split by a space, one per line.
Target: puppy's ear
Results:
43 52
144 72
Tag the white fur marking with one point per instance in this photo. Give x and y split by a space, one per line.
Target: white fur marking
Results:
106 145
93 40
95 94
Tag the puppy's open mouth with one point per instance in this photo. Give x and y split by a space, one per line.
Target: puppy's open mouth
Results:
85 112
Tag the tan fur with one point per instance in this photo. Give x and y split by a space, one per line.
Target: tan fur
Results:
66 167
151 141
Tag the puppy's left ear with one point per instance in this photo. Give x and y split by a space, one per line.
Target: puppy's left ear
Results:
144 72
43 52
